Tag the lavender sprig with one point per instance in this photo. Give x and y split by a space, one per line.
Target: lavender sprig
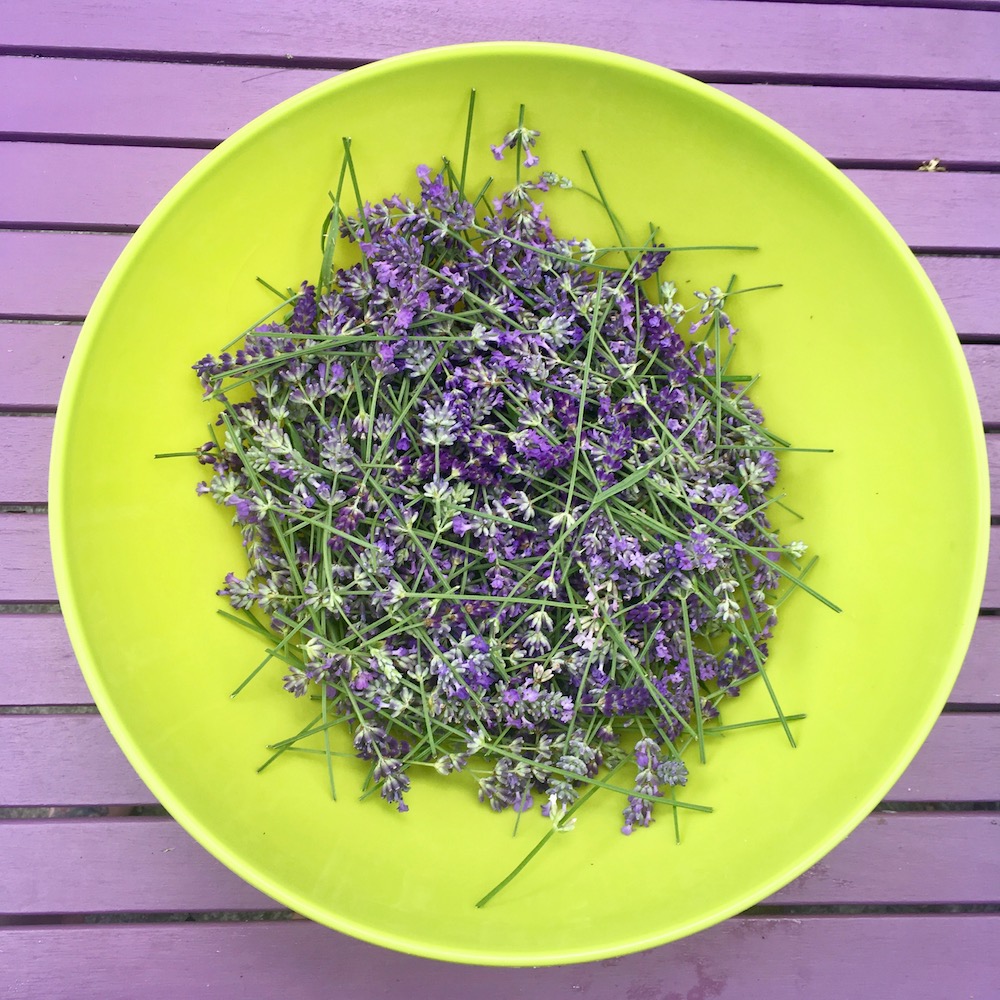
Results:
502 509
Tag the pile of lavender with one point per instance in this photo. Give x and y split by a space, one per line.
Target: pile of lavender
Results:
504 507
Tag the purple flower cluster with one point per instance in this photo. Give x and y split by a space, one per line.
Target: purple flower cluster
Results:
498 502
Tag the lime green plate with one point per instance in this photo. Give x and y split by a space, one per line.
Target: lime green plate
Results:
857 355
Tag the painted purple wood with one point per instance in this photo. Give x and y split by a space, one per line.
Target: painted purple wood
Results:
984 364
702 35
952 765
29 263
39 771
179 101
968 286
956 4
150 864
65 760
974 308
207 103
909 868
37 665
862 123
991 591
25 571
53 183
979 680
746 958
87 186
141 864
25 442
24 457
33 360
937 211
78 867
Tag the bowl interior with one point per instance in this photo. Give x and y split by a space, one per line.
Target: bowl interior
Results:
856 354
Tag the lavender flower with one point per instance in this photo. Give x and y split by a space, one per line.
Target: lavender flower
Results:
497 500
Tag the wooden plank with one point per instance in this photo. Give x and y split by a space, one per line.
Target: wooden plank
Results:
30 262
65 760
38 771
984 364
25 442
166 100
138 864
822 958
53 184
974 311
937 211
149 865
955 127
35 356
690 35
25 570
37 665
949 766
34 359
957 4
979 680
893 858
26 576
968 286
207 103
991 591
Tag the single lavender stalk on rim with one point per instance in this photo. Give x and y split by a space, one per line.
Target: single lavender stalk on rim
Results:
505 512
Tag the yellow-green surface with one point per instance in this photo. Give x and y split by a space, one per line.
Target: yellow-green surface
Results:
857 354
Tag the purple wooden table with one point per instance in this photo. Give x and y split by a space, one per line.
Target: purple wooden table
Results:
104 106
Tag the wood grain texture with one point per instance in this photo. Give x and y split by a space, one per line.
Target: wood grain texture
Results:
37 665
819 958
979 679
26 575
974 308
143 99
33 360
150 865
984 364
25 442
937 211
206 104
92 186
30 264
25 384
991 591
968 286
25 569
952 765
699 36
72 760
86 186
65 760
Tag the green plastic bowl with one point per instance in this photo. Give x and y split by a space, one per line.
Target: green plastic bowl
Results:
857 354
